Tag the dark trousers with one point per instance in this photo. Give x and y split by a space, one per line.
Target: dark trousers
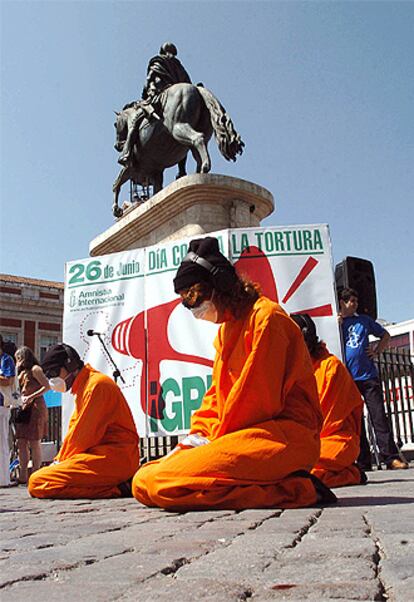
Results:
372 393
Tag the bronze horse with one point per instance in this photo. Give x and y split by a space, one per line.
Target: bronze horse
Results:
190 114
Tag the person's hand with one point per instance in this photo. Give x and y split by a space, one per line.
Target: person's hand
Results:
340 319
189 442
25 401
372 352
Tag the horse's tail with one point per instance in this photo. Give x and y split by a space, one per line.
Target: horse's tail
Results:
228 140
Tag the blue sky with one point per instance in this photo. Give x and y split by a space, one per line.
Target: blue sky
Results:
322 93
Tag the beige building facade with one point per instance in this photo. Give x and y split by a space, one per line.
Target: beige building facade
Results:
31 312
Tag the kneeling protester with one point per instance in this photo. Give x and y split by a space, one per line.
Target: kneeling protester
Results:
341 405
255 437
100 452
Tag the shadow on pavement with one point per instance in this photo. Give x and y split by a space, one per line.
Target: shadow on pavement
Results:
390 481
374 501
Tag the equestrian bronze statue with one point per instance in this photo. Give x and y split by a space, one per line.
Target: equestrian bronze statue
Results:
173 117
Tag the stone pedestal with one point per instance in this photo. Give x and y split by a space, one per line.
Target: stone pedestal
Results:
188 207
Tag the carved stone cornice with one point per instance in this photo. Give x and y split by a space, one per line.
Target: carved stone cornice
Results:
193 205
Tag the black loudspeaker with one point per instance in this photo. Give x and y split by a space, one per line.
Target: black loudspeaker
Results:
356 273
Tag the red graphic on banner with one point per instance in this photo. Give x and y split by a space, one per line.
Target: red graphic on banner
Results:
151 344
254 265
310 264
130 338
317 312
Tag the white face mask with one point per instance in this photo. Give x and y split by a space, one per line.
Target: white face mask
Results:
58 384
206 311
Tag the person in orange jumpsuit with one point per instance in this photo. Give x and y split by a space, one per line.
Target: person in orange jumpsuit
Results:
255 438
100 452
341 405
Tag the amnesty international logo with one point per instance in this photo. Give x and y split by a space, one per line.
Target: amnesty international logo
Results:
79 299
72 299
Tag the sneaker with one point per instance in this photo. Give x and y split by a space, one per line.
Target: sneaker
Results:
397 464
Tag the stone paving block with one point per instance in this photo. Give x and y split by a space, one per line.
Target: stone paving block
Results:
349 523
396 570
41 563
314 546
382 524
289 521
402 591
206 590
257 515
320 592
396 545
200 516
323 568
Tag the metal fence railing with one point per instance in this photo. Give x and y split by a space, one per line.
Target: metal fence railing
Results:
396 370
55 426
156 447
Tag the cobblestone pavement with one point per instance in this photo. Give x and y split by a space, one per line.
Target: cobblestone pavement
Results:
107 550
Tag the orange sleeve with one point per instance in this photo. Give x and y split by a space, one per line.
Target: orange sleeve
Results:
260 369
256 395
96 410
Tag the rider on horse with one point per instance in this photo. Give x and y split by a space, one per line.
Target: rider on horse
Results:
163 70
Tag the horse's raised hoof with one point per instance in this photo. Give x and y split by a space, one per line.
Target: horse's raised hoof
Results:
117 211
123 160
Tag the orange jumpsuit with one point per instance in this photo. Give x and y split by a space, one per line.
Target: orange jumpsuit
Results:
100 449
341 405
261 416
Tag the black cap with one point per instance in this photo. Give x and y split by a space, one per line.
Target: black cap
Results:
308 328
205 263
61 356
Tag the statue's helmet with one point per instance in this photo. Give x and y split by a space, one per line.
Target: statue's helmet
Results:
168 48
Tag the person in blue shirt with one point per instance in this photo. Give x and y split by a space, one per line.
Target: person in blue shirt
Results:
359 359
7 374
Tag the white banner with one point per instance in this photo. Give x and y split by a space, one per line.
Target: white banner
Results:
100 293
164 355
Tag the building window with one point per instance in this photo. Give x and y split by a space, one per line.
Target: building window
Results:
9 336
400 341
46 341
